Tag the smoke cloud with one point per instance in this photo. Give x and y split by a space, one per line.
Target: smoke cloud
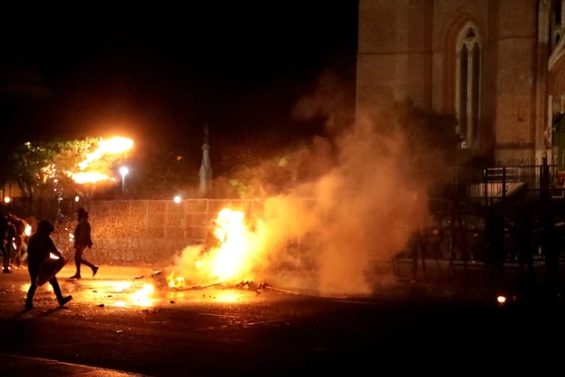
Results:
362 213
354 198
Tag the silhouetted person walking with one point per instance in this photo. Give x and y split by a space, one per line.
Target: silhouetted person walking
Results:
4 225
39 249
20 244
82 241
418 249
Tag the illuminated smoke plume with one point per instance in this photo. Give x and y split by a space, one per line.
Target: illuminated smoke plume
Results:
364 210
359 195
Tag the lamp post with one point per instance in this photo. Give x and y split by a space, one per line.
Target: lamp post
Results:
124 170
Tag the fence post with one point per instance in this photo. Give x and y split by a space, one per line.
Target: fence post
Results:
166 216
485 183
504 182
544 179
146 219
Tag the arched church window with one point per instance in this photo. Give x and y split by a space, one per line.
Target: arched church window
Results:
468 85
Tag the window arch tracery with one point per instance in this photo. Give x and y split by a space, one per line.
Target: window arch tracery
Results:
468 84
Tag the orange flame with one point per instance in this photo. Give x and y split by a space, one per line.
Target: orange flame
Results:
234 259
230 259
175 281
114 146
89 177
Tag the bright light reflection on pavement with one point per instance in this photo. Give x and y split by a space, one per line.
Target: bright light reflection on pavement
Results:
143 294
143 291
120 293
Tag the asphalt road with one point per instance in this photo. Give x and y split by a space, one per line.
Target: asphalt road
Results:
115 321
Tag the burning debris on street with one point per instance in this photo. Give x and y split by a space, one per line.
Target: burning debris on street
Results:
231 260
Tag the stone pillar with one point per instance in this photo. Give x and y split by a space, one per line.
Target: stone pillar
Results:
205 166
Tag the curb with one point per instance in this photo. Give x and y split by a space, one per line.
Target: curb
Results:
16 365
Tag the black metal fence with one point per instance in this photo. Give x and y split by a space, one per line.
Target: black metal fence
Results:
498 183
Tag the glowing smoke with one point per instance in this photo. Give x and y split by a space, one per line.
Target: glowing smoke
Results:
366 187
363 212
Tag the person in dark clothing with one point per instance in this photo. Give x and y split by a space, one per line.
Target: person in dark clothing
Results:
82 241
418 246
39 249
4 230
19 247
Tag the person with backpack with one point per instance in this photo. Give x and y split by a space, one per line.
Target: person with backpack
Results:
41 252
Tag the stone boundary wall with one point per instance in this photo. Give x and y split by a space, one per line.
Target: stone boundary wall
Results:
146 231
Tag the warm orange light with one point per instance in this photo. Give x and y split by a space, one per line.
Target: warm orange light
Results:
233 260
7 199
174 281
234 235
115 145
143 296
229 297
139 297
92 170
501 299
89 177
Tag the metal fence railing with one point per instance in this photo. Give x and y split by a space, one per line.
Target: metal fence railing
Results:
489 185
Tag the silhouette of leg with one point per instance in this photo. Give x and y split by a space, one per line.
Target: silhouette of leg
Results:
57 290
5 259
29 298
78 261
92 266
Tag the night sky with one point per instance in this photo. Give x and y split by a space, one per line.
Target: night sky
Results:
162 72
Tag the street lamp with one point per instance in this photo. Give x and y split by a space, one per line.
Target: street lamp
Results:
124 171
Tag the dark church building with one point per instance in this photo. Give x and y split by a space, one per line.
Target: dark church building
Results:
497 65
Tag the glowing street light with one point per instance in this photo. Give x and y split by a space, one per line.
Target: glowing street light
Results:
124 170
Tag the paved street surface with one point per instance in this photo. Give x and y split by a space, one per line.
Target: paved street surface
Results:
124 321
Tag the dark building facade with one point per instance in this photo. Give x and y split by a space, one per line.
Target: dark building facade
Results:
497 65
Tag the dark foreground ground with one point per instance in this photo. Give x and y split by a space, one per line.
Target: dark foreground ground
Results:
246 331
